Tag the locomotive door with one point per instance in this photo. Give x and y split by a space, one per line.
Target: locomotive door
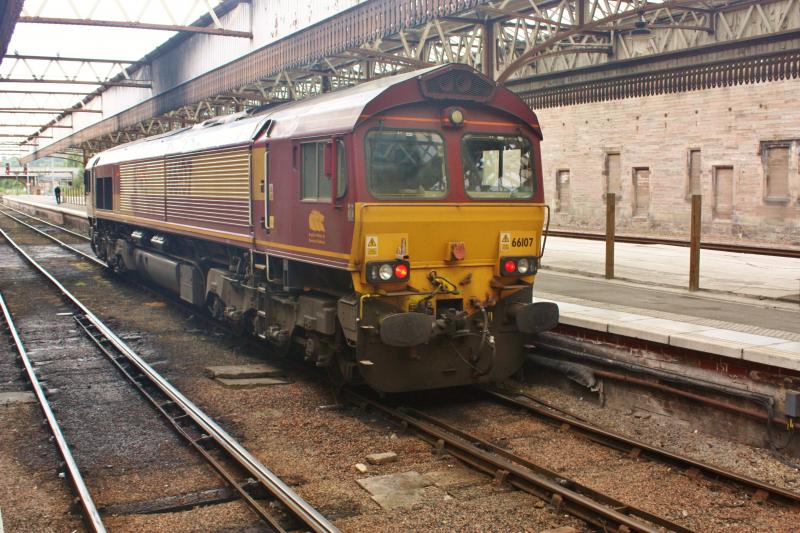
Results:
268 220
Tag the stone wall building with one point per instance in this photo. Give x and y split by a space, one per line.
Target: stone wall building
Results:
738 146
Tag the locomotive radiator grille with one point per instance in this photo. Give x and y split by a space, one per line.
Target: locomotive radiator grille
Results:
141 189
211 187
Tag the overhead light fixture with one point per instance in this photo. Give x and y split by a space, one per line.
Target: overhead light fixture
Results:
640 28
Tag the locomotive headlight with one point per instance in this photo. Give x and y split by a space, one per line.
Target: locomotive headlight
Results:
453 117
523 266
385 272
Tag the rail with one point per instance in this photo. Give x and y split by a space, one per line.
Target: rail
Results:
90 514
56 226
624 444
718 246
293 503
595 508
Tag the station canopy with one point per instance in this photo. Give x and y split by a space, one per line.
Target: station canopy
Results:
81 76
63 54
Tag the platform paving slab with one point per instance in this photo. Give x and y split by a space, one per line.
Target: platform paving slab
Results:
48 202
709 336
634 330
783 355
700 343
258 370
725 272
583 321
14 398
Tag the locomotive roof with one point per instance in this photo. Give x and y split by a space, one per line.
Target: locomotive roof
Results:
329 113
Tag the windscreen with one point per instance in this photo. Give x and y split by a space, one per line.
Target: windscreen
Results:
406 164
497 166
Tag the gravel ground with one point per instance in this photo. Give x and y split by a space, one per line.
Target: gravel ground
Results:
312 448
675 436
701 505
125 452
32 496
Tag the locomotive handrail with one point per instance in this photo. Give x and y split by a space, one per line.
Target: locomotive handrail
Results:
544 240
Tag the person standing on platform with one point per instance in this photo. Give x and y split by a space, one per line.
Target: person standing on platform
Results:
57 190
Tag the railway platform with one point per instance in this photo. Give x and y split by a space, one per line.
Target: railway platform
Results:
748 308
47 203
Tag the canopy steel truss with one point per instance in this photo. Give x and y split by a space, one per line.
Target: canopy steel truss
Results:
520 42
131 17
101 73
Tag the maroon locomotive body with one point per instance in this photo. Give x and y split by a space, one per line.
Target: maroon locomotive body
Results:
391 230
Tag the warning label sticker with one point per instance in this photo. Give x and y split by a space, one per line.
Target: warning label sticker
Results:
372 245
505 241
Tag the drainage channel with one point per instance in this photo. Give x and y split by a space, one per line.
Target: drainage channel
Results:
203 433
600 510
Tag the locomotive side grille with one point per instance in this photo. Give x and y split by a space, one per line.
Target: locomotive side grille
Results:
458 84
141 189
210 188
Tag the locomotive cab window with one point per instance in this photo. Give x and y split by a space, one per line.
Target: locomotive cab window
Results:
497 166
406 164
315 184
104 194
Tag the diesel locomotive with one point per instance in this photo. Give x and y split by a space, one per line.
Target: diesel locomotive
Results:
390 231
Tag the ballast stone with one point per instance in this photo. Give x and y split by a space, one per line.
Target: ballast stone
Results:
381 458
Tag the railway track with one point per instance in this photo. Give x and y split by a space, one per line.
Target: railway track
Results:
722 247
758 490
90 514
577 499
597 509
50 224
236 465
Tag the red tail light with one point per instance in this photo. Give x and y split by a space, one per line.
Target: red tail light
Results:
388 271
518 266
401 271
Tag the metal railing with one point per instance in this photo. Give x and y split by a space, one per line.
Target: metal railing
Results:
73 195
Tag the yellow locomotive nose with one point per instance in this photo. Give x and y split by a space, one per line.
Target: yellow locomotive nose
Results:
435 239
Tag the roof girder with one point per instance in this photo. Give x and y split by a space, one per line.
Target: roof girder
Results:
544 36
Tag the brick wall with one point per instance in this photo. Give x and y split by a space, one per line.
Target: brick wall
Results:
728 125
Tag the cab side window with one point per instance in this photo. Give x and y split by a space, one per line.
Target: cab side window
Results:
104 195
315 184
